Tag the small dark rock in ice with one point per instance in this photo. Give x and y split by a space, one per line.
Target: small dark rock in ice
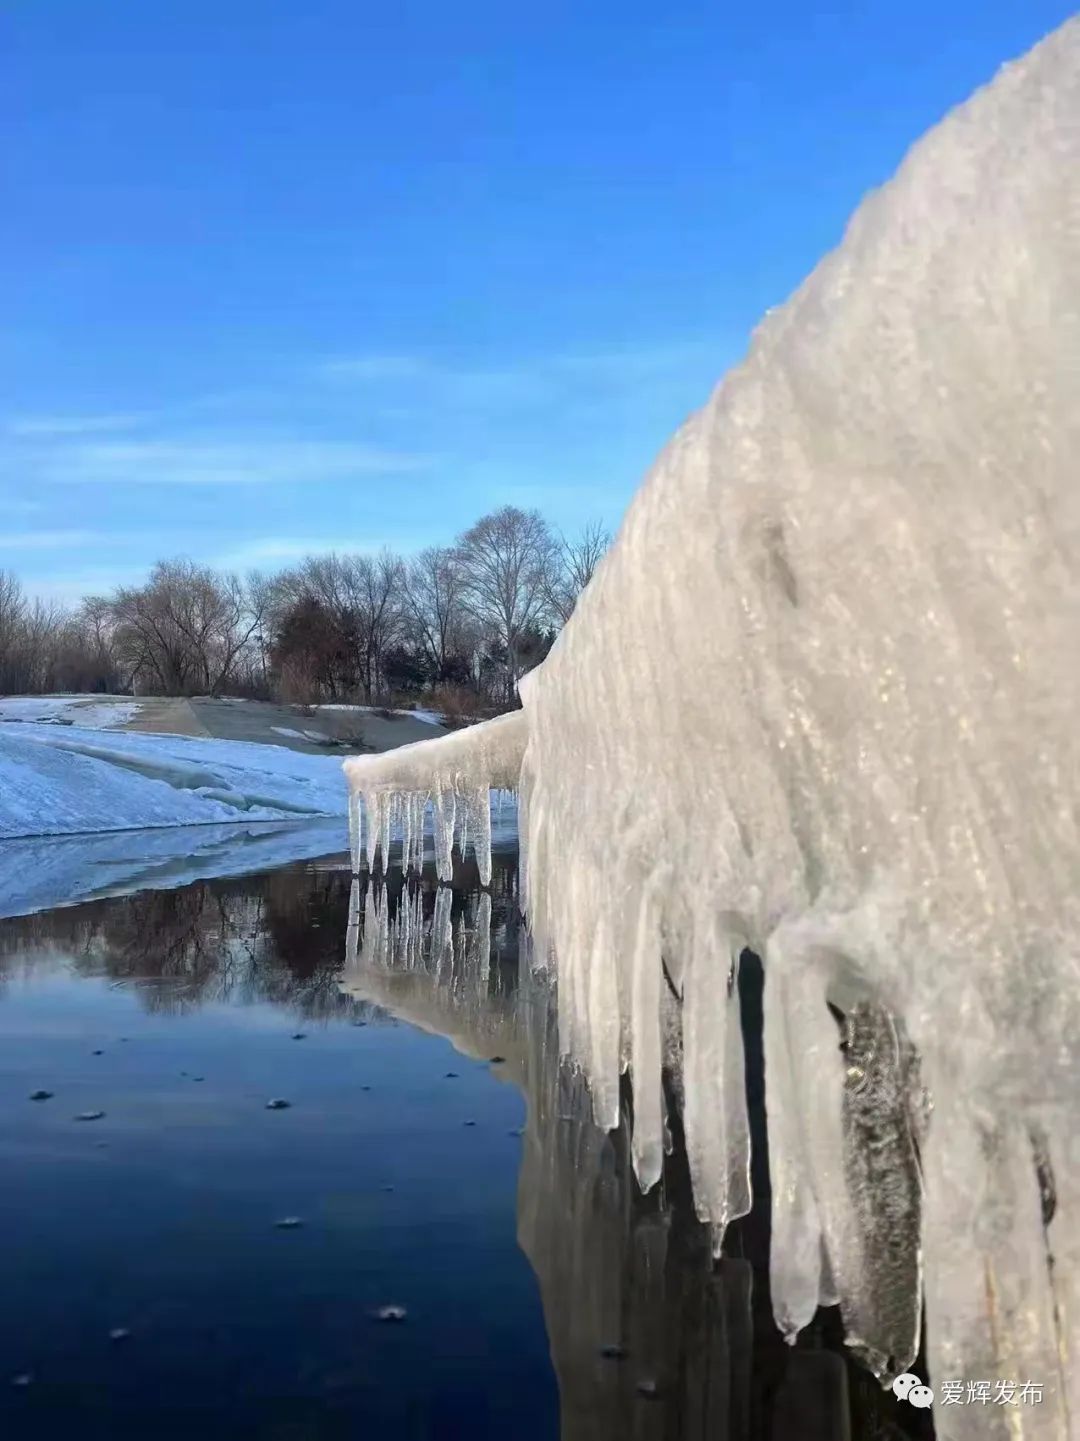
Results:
648 1390
613 1352
498 1060
517 1131
119 1333
278 1105
358 1023
365 1088
97 1053
451 1076
386 1188
390 1313
289 1223
90 1115
41 1095
299 1036
468 1123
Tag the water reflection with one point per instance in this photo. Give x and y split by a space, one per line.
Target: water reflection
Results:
650 1339
274 937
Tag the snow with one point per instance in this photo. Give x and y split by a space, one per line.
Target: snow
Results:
839 622
66 780
431 717
306 735
90 712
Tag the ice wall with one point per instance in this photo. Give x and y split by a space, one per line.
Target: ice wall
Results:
821 699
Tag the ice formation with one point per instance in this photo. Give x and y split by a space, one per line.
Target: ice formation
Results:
445 783
820 700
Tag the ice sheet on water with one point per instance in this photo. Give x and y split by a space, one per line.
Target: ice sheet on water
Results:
840 621
41 872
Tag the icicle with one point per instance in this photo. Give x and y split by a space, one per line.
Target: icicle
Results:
373 801
352 932
445 813
600 1027
478 812
717 1130
386 805
647 1140
482 942
354 831
442 937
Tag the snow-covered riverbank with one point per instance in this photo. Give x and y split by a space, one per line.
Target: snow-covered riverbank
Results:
91 812
67 780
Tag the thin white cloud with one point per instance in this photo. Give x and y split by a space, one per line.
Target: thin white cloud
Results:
33 426
167 462
69 587
373 369
448 384
53 539
267 549
628 364
539 378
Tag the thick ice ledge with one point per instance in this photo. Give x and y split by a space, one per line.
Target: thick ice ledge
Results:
821 699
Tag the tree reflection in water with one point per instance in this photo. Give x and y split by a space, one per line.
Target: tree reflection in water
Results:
650 1338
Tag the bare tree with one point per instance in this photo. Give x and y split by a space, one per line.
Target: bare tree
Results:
346 612
184 630
375 587
30 638
12 632
577 560
507 558
470 617
434 589
81 652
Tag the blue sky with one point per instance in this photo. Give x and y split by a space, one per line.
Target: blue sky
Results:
285 277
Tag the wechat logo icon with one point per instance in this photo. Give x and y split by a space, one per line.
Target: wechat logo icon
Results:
909 1388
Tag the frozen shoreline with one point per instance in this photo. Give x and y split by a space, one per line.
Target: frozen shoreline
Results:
66 780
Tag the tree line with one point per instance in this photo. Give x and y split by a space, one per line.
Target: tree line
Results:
460 623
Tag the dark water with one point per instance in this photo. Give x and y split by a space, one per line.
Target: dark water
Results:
484 1203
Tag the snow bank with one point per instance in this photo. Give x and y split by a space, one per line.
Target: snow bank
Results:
296 735
841 619
91 712
430 717
66 780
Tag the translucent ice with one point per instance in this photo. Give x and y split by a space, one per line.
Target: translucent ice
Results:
821 699
454 775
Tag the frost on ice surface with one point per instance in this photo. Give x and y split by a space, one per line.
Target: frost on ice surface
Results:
841 619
